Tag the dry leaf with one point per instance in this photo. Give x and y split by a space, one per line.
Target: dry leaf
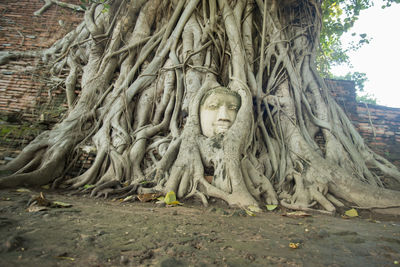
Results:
209 178
59 204
39 201
128 198
294 245
35 208
148 197
22 190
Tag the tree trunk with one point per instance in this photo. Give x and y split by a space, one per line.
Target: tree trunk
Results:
146 67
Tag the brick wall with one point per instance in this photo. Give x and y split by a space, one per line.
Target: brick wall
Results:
378 125
23 91
380 128
345 95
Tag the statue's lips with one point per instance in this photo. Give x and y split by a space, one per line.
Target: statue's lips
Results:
222 126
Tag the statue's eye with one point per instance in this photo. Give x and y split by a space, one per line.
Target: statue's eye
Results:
212 106
233 107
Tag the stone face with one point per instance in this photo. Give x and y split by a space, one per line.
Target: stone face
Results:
218 111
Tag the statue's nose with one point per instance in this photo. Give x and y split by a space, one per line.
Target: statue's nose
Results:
223 113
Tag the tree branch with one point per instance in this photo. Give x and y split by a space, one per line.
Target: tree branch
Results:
49 3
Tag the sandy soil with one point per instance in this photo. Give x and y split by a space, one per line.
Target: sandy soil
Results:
97 232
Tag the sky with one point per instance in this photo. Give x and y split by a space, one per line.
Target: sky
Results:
380 59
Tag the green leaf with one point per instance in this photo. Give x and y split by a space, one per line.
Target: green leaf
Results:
351 213
271 207
87 186
254 208
249 212
170 199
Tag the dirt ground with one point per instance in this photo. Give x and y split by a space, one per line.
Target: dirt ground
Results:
97 232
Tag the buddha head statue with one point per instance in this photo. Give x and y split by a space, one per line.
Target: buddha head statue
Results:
218 110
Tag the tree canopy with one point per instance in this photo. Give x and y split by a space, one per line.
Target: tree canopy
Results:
338 17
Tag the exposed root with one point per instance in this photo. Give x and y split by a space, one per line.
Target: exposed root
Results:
297 207
144 67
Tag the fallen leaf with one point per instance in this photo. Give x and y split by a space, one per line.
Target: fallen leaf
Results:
35 208
59 204
351 213
176 202
148 197
22 190
396 262
296 214
128 198
294 245
271 207
249 212
170 199
209 178
87 186
254 208
39 201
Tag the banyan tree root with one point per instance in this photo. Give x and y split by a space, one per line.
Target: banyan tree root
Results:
144 68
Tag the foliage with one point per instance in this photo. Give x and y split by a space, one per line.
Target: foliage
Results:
338 17
359 79
366 98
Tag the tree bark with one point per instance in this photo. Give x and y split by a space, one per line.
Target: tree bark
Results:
146 65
